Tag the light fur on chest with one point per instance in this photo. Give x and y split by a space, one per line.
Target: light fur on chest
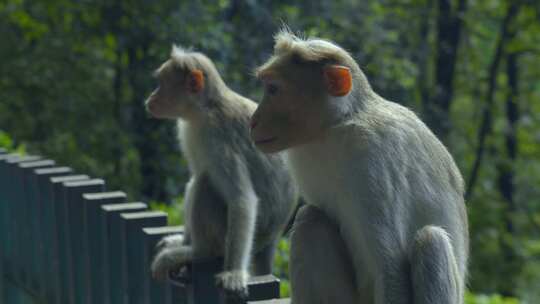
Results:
192 142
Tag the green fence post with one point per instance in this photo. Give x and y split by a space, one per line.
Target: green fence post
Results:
42 228
59 233
154 291
94 242
133 277
77 272
111 247
263 288
15 205
273 301
28 220
202 287
2 233
4 180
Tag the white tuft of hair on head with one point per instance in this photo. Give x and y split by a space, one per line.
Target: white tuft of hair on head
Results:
177 52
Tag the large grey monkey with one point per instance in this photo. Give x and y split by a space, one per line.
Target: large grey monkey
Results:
238 199
385 220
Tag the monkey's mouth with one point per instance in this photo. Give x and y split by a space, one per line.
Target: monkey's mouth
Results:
266 140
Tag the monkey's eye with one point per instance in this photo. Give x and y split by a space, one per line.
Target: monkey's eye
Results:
271 89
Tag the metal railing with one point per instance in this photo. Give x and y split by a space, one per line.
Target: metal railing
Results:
66 239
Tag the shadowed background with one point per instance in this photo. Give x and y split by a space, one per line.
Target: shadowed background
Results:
74 75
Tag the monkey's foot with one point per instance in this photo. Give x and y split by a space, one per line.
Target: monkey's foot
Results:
170 259
234 283
175 240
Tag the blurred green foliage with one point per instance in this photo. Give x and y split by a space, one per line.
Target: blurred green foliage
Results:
484 299
74 74
174 211
7 143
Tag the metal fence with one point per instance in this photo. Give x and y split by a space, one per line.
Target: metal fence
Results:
66 239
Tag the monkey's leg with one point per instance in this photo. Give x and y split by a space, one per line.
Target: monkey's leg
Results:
320 268
208 219
184 239
205 217
174 250
175 240
264 259
169 258
434 269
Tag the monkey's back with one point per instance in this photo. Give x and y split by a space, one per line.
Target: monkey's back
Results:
426 183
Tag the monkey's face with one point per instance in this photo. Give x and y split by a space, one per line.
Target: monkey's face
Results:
292 111
300 102
177 94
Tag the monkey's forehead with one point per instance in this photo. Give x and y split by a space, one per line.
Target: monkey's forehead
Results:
171 66
164 67
277 65
310 51
288 60
268 69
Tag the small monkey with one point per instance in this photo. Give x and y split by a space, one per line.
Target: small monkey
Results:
385 219
238 199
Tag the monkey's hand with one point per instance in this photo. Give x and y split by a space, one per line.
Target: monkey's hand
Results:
170 258
234 282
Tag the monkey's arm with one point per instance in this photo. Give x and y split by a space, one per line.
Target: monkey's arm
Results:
236 187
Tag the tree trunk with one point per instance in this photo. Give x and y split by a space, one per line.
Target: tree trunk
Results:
506 175
449 25
485 125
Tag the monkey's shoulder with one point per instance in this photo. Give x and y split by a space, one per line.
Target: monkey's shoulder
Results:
392 133
397 139
388 123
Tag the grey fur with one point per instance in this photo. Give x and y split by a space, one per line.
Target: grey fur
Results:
388 192
238 200
324 274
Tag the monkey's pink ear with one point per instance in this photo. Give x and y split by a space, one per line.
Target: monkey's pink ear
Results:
338 80
196 81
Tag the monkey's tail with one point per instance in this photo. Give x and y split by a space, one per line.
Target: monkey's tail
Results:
435 274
